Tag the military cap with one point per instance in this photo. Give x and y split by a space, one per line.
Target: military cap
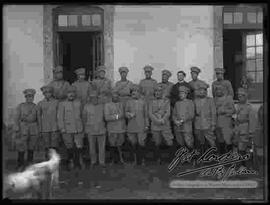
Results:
80 71
29 91
148 68
71 89
123 69
219 70
242 91
203 85
101 68
58 69
195 69
46 88
181 71
184 89
167 72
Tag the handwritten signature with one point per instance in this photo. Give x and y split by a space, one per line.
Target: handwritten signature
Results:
217 169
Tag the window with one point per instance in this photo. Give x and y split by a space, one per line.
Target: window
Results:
91 20
254 56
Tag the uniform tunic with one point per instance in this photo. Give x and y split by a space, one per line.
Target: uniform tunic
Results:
103 87
205 119
147 88
184 110
245 124
59 89
82 90
115 125
225 110
93 118
166 88
227 84
27 124
138 123
124 89
174 96
195 85
48 115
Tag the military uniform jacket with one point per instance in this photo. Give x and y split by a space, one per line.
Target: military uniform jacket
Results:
47 115
138 123
166 88
174 96
159 109
103 88
245 119
69 116
112 109
93 118
27 118
227 84
147 88
82 90
195 85
205 113
59 89
225 110
184 109
124 89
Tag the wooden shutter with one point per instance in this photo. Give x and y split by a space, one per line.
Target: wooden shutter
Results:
98 59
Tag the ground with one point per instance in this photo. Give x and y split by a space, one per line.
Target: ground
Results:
135 182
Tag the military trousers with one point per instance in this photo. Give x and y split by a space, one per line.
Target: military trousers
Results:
101 141
135 138
73 138
165 134
116 139
206 134
184 138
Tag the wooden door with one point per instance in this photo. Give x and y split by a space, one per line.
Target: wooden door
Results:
97 53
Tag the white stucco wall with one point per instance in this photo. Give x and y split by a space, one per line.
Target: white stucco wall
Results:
22 54
171 37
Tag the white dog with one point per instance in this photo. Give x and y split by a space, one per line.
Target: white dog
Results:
36 175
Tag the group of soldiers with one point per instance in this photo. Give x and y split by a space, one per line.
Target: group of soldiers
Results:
130 112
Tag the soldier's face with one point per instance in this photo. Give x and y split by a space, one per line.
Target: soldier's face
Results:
115 98
219 76
135 94
194 75
203 92
182 95
71 95
158 93
47 95
165 78
242 98
29 98
81 77
123 75
59 75
219 93
93 100
148 74
102 74
180 76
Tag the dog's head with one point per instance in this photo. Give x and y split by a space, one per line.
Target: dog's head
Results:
54 155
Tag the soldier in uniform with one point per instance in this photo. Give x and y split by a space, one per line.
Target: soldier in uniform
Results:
123 86
138 122
116 126
147 85
47 118
220 80
195 82
83 87
159 113
94 127
183 115
102 85
71 127
59 85
165 83
244 122
205 119
225 110
26 126
174 95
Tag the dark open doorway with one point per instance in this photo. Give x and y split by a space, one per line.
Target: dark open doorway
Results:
79 49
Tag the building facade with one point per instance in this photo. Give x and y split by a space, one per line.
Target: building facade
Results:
38 37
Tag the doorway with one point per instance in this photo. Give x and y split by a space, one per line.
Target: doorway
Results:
79 49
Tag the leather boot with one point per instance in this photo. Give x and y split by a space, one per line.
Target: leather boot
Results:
30 156
111 151
139 154
157 154
69 158
116 156
76 159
